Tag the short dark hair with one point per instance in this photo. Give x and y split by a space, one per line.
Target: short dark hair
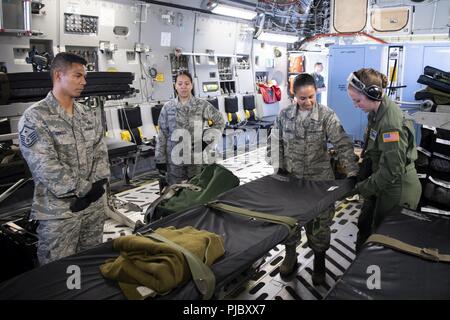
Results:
318 64
303 80
184 73
63 60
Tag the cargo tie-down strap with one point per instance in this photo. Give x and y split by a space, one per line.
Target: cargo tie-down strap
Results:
288 222
203 277
424 253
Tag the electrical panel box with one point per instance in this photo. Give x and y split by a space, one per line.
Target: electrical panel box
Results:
88 53
80 24
244 74
178 63
226 75
206 73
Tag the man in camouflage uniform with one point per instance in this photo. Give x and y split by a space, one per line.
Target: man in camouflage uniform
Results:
193 118
62 142
303 130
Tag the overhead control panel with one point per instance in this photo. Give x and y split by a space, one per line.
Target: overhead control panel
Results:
80 24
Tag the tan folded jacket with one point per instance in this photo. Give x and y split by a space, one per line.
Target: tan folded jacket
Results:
155 265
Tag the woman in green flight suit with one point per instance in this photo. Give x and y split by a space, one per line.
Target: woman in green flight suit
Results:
390 151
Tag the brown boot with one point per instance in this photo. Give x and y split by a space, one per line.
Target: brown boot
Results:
289 264
318 277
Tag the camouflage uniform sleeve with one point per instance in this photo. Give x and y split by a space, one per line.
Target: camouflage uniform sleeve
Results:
343 144
101 160
275 148
393 144
215 116
161 140
37 147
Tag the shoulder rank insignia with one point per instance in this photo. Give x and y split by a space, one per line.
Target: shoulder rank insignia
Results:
393 136
28 136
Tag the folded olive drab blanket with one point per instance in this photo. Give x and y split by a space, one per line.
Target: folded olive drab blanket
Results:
145 266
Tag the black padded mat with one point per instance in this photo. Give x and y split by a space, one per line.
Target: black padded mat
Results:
402 276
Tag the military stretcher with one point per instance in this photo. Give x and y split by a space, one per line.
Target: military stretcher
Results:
436 79
408 257
252 218
34 86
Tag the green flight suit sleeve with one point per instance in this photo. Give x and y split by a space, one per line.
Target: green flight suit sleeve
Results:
343 144
393 145
38 149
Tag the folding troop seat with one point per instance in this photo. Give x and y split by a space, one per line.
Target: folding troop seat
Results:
130 123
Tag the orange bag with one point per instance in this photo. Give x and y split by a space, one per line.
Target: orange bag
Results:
296 64
291 84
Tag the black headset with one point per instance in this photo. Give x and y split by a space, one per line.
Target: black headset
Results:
373 92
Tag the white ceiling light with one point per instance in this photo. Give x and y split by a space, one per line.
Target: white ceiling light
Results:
277 37
234 12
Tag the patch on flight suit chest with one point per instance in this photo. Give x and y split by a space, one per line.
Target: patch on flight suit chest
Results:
373 134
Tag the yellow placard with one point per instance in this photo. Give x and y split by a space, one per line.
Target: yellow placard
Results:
391 70
159 77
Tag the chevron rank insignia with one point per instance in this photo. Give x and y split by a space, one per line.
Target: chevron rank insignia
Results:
28 136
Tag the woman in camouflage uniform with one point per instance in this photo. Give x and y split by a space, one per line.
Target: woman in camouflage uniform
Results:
303 130
190 118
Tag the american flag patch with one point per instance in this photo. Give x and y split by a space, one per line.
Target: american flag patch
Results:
391 136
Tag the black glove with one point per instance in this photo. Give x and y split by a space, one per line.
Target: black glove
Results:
80 204
93 195
365 169
204 145
97 190
351 193
353 180
162 167
282 172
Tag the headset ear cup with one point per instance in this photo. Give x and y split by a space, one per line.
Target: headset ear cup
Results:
374 92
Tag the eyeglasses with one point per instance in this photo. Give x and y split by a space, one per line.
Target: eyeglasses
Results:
355 82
